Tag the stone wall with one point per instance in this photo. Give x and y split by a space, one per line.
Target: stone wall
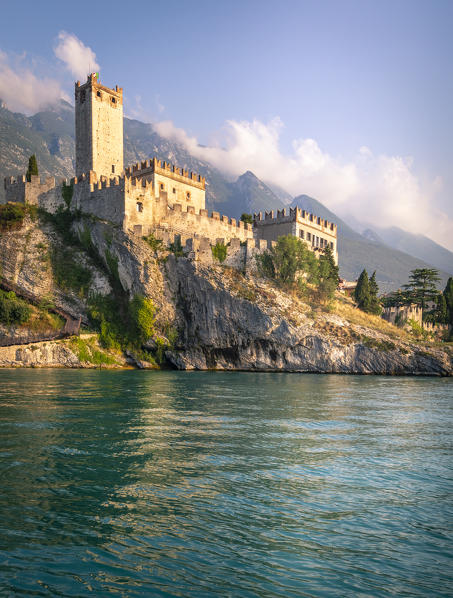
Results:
104 199
180 185
44 193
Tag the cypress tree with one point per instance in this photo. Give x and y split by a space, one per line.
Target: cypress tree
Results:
375 305
448 294
441 309
362 291
32 167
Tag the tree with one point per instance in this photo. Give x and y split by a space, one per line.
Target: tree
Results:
448 294
289 257
375 305
327 274
441 314
247 218
362 291
422 286
32 167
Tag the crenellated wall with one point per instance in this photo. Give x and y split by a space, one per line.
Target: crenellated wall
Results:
44 193
317 232
188 222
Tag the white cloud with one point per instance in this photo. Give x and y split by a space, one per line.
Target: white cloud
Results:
79 59
22 90
376 189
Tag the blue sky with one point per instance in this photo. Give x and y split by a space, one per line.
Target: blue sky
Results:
254 76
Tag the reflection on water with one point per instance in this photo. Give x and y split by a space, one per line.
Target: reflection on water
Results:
232 484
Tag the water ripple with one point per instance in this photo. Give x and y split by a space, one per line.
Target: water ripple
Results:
225 484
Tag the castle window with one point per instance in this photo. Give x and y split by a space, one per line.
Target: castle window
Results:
188 194
308 236
113 101
139 206
174 189
162 186
113 168
302 234
331 245
98 94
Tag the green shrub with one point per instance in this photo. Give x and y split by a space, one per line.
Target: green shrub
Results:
11 215
67 192
68 272
176 247
154 243
12 309
219 252
143 313
87 352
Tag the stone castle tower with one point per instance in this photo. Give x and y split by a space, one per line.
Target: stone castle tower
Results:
99 128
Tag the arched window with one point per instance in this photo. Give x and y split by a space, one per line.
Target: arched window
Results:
139 206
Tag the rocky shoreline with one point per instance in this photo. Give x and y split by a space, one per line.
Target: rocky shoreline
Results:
225 319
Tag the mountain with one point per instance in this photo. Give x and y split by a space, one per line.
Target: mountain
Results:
249 194
417 245
357 252
50 135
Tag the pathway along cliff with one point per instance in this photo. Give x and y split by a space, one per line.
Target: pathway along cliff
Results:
218 317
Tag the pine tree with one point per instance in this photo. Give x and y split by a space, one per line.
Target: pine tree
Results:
362 291
422 286
448 294
32 167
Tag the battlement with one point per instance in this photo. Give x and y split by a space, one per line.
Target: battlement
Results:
156 166
215 217
35 181
294 215
92 83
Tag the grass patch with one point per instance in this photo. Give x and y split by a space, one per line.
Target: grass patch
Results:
87 352
380 345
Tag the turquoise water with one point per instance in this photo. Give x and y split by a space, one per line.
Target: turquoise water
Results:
224 484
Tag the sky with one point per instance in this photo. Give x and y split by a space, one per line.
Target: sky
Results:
350 102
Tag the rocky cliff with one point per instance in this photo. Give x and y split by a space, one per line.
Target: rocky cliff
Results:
223 319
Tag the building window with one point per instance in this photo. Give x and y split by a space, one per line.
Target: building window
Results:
308 236
302 234
113 168
113 101
162 186
188 194
331 245
139 206
174 189
98 94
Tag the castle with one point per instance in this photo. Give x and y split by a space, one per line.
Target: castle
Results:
153 196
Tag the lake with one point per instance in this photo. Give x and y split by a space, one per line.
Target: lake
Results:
148 483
